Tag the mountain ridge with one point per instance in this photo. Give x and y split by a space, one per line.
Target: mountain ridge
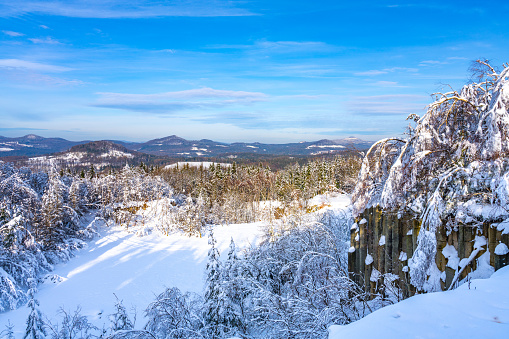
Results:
174 146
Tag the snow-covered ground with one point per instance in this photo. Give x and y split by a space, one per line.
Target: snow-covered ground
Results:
133 268
205 164
480 310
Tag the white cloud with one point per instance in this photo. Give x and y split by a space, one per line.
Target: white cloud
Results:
266 46
12 33
394 104
35 78
372 72
383 83
426 63
122 9
47 40
31 66
43 26
169 102
386 70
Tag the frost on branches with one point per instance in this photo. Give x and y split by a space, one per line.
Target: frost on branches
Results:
452 170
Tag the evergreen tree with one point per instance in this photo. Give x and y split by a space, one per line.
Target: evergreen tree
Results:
232 292
91 171
8 333
213 289
35 325
51 226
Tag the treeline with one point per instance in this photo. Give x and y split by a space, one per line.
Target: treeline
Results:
233 193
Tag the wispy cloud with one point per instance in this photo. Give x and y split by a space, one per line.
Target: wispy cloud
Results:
43 26
398 104
46 40
12 33
430 63
170 102
375 72
372 72
123 9
280 47
31 66
383 83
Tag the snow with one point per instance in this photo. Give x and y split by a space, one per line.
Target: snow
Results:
72 156
205 164
382 240
501 249
402 256
480 310
369 259
5 149
503 226
116 154
451 255
363 221
332 200
375 275
325 146
133 268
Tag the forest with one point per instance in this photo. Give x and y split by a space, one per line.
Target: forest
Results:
41 226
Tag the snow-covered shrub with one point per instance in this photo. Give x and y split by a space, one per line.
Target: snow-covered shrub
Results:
452 169
296 285
175 315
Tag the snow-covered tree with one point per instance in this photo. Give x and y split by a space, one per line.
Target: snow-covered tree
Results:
35 325
120 320
174 315
51 226
212 308
452 169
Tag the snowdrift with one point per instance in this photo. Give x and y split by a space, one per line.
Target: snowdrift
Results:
476 310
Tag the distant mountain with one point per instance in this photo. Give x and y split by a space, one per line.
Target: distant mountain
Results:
175 146
33 145
355 142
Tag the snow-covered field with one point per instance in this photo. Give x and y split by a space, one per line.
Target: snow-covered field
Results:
205 164
136 268
478 310
133 268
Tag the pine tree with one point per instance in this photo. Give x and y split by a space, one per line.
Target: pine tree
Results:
35 325
213 289
92 171
51 226
231 295
8 333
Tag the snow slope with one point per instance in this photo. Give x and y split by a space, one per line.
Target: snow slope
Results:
478 311
133 268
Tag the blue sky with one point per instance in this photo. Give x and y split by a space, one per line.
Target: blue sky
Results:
269 71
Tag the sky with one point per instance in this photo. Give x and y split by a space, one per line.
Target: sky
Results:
263 70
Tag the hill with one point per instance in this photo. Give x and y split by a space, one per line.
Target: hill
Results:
101 154
175 146
33 145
